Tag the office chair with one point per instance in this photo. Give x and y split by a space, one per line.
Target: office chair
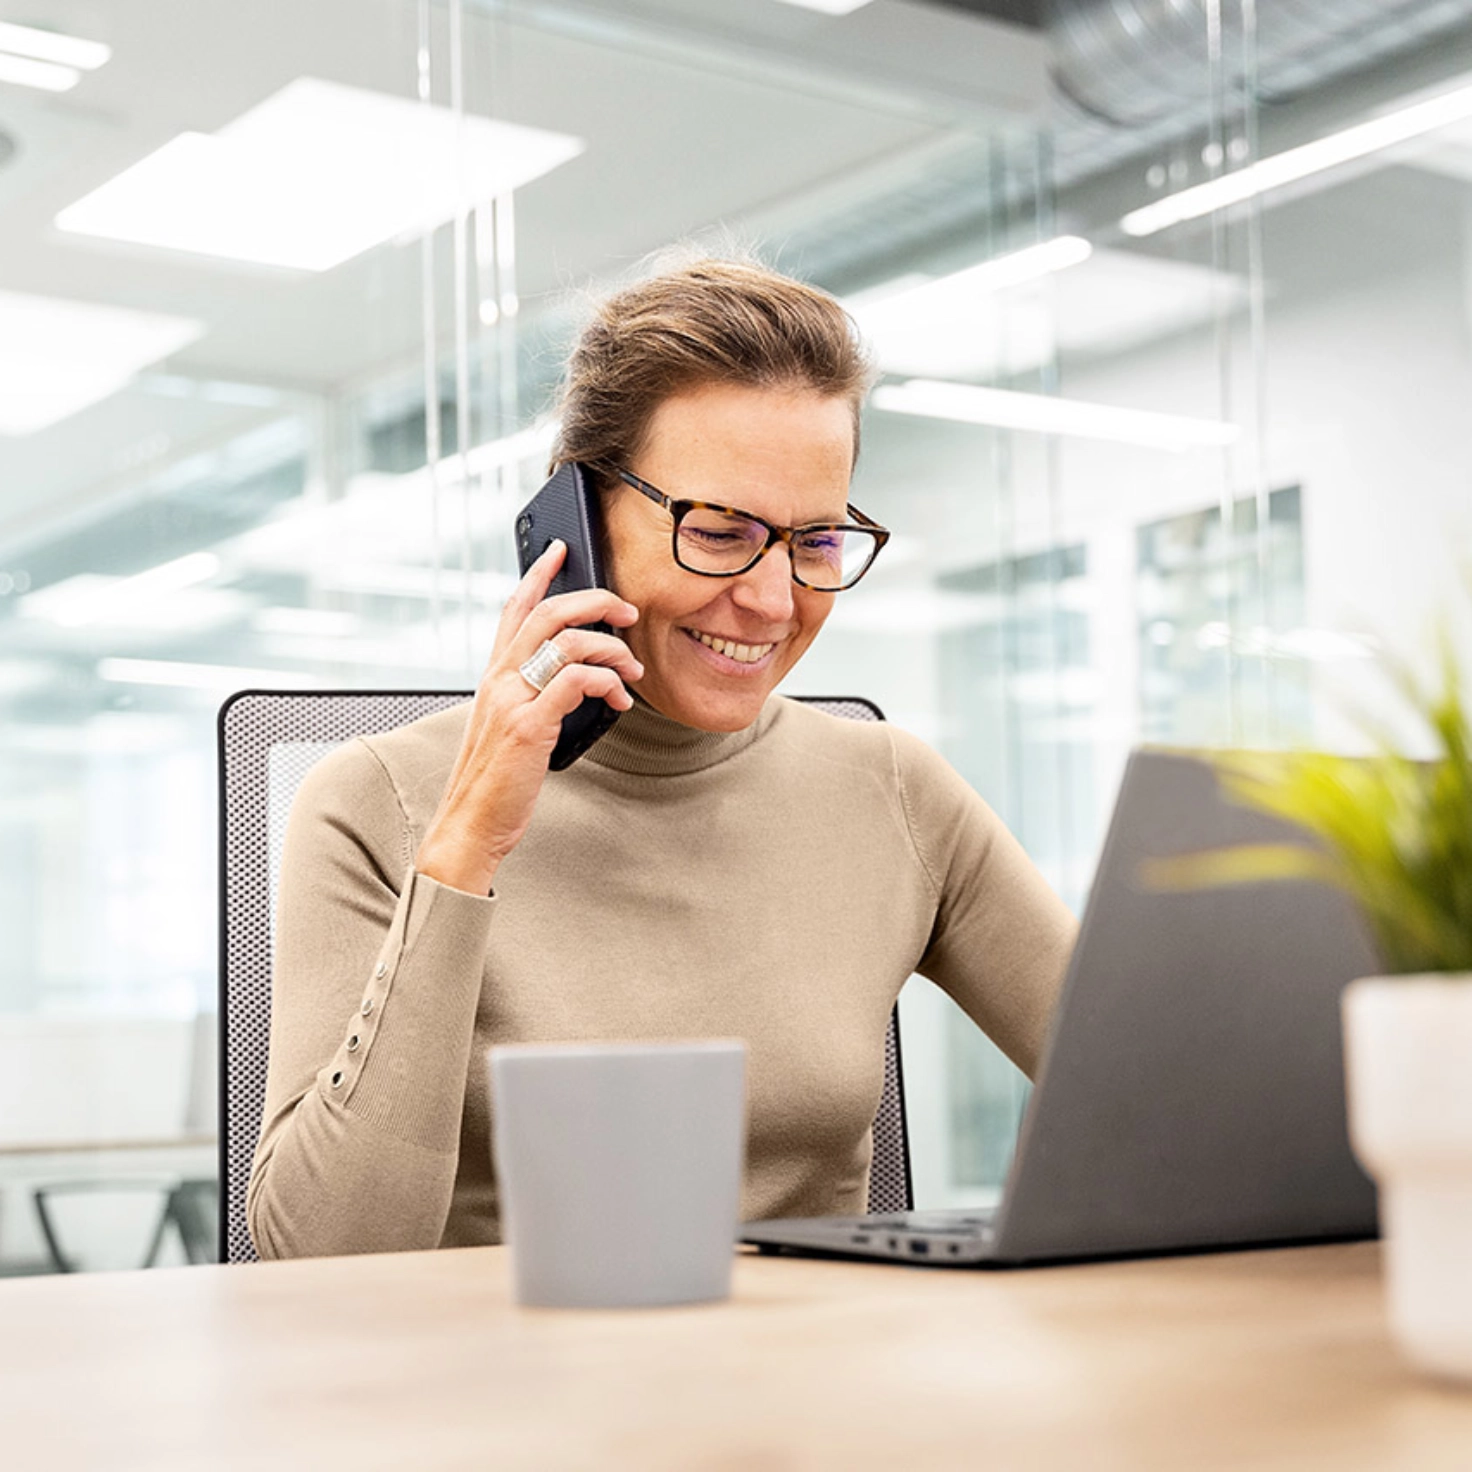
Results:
267 742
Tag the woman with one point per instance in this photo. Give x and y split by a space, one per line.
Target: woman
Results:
723 862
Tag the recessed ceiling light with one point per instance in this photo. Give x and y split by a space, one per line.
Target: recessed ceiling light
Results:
315 175
71 51
57 357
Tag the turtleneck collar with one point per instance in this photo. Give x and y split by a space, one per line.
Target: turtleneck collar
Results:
645 743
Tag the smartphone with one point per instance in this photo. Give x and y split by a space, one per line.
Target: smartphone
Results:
567 508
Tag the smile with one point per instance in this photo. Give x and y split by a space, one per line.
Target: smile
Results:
741 653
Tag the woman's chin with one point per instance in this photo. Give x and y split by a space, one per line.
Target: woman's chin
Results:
711 710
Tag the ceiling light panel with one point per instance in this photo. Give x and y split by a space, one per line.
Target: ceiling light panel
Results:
57 357
315 175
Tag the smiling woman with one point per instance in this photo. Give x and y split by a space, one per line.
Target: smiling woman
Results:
444 891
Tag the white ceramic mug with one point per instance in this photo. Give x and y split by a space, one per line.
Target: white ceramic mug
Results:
620 1169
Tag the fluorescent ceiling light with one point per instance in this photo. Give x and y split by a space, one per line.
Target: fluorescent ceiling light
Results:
998 274
45 76
399 580
57 357
1114 301
1042 414
828 7
1298 163
89 598
70 51
197 676
959 323
315 175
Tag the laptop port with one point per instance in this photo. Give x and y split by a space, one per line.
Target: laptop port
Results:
918 1247
861 1238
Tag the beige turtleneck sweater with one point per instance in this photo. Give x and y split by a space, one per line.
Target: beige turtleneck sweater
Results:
777 884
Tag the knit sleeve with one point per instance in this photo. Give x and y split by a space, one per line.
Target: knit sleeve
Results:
375 983
1002 938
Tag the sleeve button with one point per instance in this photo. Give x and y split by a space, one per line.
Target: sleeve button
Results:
337 1079
367 1006
353 1043
382 970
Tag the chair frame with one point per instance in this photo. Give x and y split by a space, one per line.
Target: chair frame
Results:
245 932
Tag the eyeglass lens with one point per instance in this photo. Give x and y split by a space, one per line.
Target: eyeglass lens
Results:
717 542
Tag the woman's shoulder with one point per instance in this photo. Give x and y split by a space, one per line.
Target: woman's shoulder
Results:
930 789
851 730
407 765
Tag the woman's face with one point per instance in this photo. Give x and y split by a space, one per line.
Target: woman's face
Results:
782 454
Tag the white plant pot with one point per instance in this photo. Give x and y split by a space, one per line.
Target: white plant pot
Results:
1408 1073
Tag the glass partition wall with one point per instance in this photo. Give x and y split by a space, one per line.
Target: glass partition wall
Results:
1171 307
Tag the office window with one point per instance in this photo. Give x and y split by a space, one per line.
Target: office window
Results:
1222 609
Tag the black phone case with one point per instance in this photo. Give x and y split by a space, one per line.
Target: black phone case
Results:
567 508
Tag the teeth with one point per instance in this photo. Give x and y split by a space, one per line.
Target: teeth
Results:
741 653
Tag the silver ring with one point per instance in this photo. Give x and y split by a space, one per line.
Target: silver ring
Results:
540 670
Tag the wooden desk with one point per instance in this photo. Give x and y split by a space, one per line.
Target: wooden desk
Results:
419 1361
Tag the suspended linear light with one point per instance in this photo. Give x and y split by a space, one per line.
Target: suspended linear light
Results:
53 46
1044 414
1298 163
44 76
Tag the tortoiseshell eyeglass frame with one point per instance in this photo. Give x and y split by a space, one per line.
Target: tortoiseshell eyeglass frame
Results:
680 509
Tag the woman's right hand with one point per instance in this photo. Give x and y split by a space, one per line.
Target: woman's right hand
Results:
502 762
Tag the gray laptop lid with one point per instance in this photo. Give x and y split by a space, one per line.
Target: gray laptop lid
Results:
1192 1091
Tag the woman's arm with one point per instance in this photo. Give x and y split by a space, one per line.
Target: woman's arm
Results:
376 979
1002 938
381 939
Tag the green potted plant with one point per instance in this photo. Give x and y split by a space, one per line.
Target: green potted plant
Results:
1396 833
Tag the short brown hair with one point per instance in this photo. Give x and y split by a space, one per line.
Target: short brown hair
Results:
710 321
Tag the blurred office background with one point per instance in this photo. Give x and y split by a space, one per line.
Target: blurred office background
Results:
1173 300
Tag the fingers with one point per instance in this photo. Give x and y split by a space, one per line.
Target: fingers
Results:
529 592
587 646
530 616
574 610
574 683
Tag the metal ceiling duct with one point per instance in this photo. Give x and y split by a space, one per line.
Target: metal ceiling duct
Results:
1137 64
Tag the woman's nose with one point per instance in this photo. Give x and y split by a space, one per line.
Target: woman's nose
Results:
766 589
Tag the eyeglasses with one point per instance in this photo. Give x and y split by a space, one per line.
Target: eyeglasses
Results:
721 542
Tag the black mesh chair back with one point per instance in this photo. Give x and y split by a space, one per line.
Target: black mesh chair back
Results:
267 742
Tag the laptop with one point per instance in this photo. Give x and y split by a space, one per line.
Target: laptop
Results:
1191 1094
